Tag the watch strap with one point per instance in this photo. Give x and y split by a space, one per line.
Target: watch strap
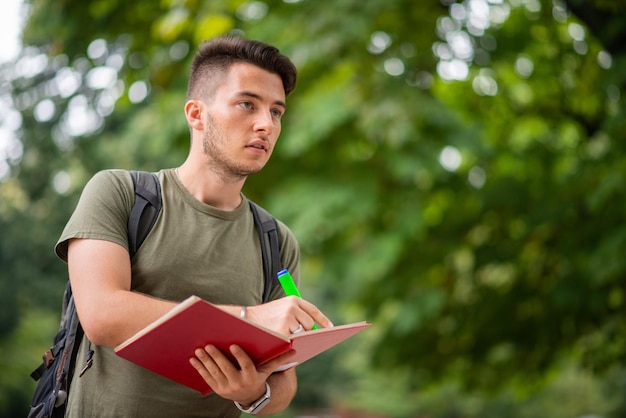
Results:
258 404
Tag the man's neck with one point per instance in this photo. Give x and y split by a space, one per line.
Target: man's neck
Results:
210 187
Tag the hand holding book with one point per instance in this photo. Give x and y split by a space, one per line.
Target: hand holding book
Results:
196 323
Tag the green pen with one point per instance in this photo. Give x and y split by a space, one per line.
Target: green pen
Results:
288 285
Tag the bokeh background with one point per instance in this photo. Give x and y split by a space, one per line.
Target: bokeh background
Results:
455 172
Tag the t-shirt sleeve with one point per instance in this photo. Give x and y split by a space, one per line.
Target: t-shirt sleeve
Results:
102 211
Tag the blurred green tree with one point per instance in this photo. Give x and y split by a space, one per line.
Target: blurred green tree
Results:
453 170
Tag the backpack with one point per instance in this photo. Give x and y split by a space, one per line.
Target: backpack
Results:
54 375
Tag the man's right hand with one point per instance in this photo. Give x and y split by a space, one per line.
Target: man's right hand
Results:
284 315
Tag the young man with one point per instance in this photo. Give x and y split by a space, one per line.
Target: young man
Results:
204 243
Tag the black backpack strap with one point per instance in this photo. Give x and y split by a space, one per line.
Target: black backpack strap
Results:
269 237
58 365
145 210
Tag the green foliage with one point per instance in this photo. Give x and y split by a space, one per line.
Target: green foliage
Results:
474 219
19 353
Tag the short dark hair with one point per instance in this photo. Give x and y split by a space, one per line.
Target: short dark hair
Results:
215 57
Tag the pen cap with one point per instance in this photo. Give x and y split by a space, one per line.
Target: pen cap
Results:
286 282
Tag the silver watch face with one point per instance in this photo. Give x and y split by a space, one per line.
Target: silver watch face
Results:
256 408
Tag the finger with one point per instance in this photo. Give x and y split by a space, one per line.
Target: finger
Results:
223 363
298 329
248 375
244 361
315 316
205 358
207 368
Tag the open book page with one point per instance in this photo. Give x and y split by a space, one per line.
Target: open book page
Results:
311 343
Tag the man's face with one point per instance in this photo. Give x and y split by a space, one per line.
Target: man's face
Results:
243 120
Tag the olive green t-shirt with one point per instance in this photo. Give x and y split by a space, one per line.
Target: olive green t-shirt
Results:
193 249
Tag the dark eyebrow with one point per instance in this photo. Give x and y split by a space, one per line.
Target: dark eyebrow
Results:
258 97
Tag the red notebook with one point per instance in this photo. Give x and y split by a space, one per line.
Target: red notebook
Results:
166 345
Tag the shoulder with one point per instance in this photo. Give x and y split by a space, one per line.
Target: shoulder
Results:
108 185
102 210
286 235
110 178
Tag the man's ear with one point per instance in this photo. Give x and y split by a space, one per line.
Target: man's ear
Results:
193 113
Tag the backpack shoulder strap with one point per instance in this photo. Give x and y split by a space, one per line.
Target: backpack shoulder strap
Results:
267 228
54 375
145 210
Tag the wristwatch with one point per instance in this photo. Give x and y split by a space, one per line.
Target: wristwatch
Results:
259 403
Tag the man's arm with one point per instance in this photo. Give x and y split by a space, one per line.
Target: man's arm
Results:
100 275
110 312
284 386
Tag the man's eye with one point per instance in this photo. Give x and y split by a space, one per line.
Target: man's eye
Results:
246 105
277 113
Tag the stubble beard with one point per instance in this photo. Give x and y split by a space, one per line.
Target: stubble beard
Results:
223 165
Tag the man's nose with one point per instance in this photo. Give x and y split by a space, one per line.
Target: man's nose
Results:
265 122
